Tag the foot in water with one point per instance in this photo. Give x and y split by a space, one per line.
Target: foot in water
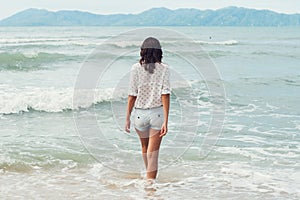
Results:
150 185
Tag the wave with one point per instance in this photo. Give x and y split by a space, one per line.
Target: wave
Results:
52 39
218 53
26 62
30 40
79 43
53 43
290 80
94 43
45 41
53 100
28 160
294 55
166 43
226 42
14 100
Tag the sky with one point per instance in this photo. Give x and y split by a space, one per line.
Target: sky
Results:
11 7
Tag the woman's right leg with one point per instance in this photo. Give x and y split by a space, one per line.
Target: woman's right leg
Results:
144 138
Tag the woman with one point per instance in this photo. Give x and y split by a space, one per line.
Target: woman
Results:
149 93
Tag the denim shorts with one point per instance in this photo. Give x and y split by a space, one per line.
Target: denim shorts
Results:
144 119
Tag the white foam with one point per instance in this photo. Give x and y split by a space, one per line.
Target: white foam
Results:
226 42
30 40
297 126
236 127
125 44
50 42
13 100
137 43
16 100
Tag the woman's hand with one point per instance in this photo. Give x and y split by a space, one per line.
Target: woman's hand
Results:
127 126
164 129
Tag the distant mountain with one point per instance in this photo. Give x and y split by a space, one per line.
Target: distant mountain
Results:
229 16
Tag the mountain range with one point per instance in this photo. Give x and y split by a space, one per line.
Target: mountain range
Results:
229 16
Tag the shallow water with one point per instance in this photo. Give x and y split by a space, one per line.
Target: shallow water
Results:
44 156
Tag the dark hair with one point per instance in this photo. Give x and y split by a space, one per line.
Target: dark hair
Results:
150 54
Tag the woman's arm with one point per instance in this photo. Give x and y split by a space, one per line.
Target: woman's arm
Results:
165 98
130 104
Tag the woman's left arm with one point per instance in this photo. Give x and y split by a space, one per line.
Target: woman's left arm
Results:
165 98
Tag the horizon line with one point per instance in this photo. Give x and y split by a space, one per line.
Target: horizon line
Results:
119 13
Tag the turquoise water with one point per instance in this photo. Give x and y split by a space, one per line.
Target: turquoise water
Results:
43 155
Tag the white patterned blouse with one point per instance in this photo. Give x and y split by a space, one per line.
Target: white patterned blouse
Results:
148 87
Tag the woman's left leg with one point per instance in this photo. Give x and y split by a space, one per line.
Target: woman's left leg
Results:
153 152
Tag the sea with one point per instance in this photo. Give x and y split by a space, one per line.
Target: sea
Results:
234 127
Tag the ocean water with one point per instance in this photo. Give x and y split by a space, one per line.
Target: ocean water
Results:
50 148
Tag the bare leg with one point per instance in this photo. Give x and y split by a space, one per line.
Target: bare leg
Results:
144 138
152 153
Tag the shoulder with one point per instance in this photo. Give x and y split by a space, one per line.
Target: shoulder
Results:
162 66
135 66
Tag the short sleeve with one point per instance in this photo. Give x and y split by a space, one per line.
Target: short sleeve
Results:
166 89
133 82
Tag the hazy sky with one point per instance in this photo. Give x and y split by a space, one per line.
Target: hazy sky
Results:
9 7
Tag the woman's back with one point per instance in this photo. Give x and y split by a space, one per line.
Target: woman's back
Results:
148 87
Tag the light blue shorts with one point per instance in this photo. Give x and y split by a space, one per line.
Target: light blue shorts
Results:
144 119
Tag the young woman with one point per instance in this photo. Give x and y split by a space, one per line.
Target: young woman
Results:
149 93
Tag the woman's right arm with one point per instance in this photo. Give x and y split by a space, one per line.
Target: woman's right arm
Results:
130 104
132 94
